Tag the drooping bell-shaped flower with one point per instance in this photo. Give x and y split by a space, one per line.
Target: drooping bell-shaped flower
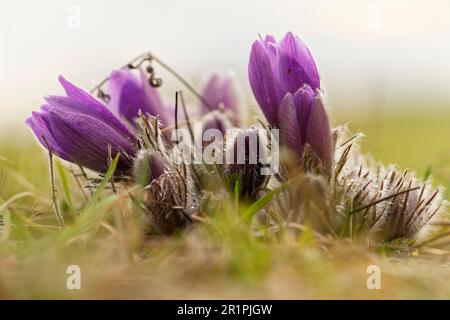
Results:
305 122
80 129
278 68
131 93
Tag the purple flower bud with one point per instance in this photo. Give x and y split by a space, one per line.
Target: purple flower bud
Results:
305 121
171 200
248 150
130 93
278 68
80 129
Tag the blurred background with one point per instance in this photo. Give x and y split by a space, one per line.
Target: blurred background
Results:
385 65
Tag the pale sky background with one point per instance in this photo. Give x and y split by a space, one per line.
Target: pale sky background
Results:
394 54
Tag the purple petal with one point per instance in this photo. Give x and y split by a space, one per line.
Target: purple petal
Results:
268 39
270 43
290 134
318 133
296 65
230 99
263 83
83 102
39 124
86 140
303 101
211 93
218 92
78 94
125 92
127 95
130 94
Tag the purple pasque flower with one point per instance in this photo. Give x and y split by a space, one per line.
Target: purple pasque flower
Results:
219 92
131 93
305 121
80 129
222 110
278 68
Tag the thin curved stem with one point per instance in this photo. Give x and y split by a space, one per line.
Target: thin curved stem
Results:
148 56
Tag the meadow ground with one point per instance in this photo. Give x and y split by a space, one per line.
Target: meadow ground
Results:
219 257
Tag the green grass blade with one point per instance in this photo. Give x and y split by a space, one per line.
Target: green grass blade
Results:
262 202
66 186
109 174
427 173
89 218
236 193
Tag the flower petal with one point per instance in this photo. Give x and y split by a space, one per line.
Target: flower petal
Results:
83 102
318 133
268 39
86 140
126 94
263 83
219 91
303 101
290 134
296 65
131 94
39 124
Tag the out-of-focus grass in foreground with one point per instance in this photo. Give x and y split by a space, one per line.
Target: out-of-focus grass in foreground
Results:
220 257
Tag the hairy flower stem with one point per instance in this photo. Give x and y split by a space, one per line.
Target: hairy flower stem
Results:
52 181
